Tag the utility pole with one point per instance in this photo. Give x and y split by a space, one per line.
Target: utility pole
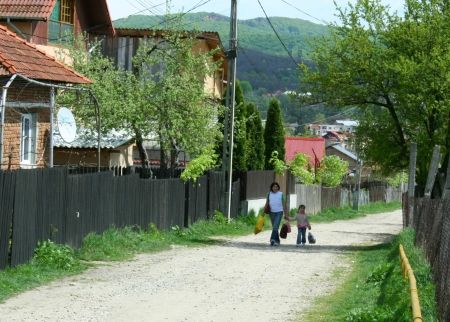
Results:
227 156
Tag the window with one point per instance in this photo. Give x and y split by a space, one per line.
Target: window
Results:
28 140
67 11
60 26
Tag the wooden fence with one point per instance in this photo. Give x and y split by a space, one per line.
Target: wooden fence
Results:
431 221
310 196
43 204
316 198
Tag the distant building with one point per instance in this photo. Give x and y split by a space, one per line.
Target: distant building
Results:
314 148
344 126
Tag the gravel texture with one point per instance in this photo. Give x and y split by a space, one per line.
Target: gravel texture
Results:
243 279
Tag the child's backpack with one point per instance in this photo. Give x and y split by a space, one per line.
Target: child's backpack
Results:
311 238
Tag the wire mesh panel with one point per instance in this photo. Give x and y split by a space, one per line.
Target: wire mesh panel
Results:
431 221
442 276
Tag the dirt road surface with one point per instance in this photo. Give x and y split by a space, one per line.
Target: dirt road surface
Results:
243 279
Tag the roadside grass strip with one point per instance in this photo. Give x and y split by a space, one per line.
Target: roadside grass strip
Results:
408 272
332 214
53 261
375 289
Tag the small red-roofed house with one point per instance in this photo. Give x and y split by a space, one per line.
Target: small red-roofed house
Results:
25 104
50 23
314 148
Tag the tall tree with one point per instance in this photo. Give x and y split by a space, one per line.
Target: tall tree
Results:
240 137
255 139
182 111
120 94
163 99
397 71
274 133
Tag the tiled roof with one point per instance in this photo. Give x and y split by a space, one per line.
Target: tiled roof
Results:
17 56
312 147
26 8
86 139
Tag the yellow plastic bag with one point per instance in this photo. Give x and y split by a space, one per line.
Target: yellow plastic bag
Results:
259 224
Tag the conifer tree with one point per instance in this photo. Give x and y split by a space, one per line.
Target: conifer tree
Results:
240 137
274 133
255 139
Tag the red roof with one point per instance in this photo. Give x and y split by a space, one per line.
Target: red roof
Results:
17 56
312 147
96 12
26 8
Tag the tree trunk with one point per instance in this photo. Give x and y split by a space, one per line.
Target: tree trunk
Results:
173 161
162 156
398 126
140 145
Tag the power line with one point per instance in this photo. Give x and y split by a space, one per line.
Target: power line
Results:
305 13
198 5
331 116
276 33
146 8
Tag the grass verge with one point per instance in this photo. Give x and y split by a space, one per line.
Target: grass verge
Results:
375 291
52 261
332 214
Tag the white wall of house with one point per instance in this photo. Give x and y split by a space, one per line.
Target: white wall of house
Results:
257 204
123 157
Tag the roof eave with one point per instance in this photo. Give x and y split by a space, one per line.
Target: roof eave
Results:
23 18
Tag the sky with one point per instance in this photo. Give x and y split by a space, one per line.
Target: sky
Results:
317 11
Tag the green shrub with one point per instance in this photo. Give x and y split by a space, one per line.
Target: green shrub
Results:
219 217
55 256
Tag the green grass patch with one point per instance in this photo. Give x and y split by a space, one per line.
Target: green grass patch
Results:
52 261
332 214
375 290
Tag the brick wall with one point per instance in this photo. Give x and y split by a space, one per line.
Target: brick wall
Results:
12 137
26 93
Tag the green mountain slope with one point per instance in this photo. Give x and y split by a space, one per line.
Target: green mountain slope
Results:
262 59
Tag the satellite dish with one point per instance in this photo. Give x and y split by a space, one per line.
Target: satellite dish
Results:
66 125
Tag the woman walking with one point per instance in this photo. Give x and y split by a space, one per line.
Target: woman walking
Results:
277 203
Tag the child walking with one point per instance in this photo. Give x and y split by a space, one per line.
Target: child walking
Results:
302 224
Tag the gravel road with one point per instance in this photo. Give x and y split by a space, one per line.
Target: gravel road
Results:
243 279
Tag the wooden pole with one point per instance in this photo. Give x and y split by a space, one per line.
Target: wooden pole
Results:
411 183
446 192
432 171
